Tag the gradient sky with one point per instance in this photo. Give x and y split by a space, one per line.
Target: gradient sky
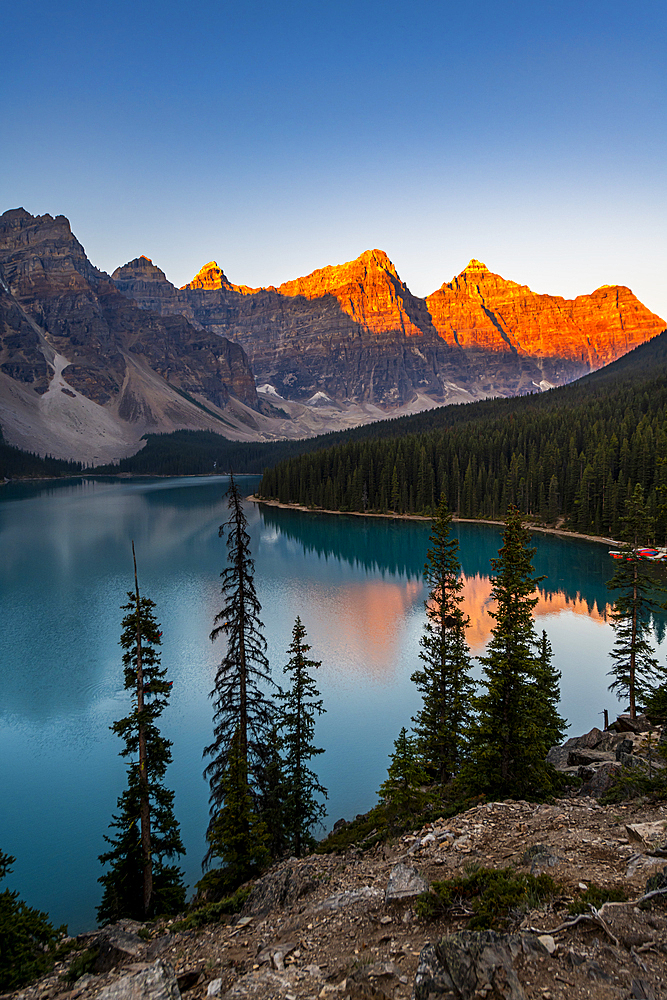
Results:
277 138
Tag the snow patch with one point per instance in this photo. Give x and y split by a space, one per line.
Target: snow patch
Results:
320 399
269 390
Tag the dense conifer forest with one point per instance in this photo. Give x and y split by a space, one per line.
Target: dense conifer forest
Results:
571 455
14 462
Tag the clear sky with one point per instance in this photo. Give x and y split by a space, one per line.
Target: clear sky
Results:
277 138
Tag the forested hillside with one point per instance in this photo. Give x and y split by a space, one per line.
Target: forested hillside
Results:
572 454
16 463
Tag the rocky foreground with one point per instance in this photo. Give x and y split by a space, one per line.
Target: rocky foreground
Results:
346 926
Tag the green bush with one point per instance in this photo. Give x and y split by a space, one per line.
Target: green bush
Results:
82 964
27 937
493 896
596 896
212 912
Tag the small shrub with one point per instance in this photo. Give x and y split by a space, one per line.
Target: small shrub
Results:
492 894
82 964
211 913
597 897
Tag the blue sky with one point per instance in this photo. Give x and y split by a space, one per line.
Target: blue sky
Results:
280 137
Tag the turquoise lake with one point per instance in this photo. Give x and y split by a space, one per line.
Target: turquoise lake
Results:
356 584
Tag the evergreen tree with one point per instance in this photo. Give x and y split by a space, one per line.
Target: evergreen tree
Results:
139 882
444 680
509 738
403 789
547 695
299 705
27 938
242 710
236 833
272 794
636 671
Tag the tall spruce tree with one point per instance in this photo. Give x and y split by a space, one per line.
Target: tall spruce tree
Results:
509 738
139 882
242 714
300 703
636 671
444 680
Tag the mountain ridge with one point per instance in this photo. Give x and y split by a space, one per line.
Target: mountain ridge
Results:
355 332
90 362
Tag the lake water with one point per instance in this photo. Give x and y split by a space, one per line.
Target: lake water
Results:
355 582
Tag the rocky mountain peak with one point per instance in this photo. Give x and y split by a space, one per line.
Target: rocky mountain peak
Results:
141 268
210 277
369 290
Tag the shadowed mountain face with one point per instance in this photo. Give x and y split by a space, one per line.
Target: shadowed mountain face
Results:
98 362
356 332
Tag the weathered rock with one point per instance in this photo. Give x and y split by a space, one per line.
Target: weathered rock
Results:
579 756
624 724
261 982
559 756
648 836
117 946
156 982
280 888
602 780
470 963
350 897
404 883
276 954
375 981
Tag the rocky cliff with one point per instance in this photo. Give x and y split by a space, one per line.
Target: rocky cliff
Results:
479 309
355 332
106 370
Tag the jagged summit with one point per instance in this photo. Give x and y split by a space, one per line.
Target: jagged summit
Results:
141 268
209 277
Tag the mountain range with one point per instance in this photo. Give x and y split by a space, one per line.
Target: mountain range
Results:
89 362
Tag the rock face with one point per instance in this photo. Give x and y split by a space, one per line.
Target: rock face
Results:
69 335
479 309
355 331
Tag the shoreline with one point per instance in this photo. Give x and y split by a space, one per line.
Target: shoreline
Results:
598 539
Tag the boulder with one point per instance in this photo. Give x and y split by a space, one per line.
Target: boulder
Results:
559 756
118 946
601 780
404 883
648 836
624 724
155 982
280 888
474 963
